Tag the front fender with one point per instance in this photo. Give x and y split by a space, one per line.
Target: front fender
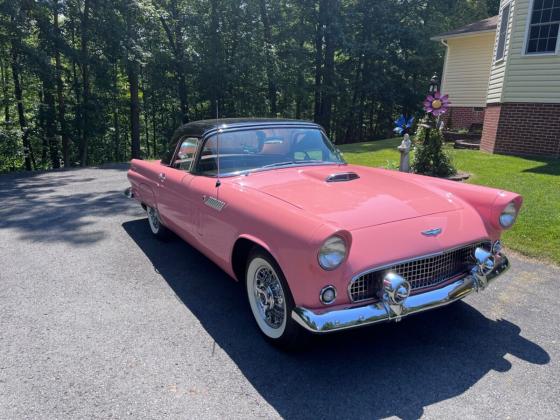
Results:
488 202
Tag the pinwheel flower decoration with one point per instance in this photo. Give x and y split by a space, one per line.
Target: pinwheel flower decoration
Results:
403 125
436 104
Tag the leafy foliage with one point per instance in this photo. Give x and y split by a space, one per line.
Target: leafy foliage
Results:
11 155
430 158
106 80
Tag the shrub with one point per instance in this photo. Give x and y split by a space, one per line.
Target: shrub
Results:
429 156
11 155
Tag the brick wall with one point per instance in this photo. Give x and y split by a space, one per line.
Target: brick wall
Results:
522 129
490 128
463 117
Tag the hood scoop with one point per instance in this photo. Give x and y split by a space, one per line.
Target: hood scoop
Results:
342 177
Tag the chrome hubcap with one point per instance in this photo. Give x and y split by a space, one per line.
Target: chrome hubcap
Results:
154 220
269 297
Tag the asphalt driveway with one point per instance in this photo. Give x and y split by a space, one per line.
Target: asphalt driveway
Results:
98 319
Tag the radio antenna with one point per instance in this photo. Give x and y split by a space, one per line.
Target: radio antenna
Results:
218 182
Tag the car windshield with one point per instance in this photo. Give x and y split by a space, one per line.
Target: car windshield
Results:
253 150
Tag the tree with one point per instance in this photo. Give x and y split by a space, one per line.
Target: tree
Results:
269 56
58 41
174 24
15 35
84 67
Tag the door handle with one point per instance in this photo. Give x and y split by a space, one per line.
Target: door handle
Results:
162 177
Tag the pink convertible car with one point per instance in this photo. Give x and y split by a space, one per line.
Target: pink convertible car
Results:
319 244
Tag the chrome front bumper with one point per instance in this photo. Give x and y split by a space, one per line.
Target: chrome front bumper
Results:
352 317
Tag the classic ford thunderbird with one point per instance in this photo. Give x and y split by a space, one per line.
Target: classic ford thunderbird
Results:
321 245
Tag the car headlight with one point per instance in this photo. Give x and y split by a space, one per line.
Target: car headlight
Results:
332 253
508 216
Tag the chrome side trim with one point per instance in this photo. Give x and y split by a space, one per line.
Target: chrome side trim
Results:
321 322
214 203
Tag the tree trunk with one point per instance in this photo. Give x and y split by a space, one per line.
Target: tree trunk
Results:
318 63
85 84
215 72
300 84
18 94
60 90
6 100
41 126
154 130
133 84
350 133
328 89
76 88
50 121
116 138
48 110
269 58
132 73
146 120
175 43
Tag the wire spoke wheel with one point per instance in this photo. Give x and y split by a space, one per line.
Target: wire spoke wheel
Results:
267 297
153 219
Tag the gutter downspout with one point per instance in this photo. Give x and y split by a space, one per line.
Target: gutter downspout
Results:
443 74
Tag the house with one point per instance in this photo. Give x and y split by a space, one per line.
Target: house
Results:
504 72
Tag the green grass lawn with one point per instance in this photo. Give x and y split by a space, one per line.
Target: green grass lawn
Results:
537 231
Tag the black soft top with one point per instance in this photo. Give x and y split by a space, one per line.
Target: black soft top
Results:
203 127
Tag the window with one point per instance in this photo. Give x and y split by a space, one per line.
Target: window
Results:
543 30
185 154
504 25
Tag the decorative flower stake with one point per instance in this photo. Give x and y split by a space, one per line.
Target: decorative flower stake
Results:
436 104
403 125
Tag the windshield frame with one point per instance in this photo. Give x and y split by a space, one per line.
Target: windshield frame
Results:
222 130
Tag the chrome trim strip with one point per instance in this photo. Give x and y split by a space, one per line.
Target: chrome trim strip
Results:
321 322
435 254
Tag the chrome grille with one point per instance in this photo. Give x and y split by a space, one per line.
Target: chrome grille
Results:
421 273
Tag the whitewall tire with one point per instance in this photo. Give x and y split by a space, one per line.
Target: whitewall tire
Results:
154 221
271 301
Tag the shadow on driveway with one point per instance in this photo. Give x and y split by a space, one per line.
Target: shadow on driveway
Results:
390 369
58 206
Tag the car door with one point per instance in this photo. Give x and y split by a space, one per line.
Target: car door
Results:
212 226
174 198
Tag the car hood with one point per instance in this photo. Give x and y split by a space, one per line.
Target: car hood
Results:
376 197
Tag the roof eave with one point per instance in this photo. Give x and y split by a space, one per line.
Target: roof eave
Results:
463 35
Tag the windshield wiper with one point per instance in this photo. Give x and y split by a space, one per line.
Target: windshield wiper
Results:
289 163
273 165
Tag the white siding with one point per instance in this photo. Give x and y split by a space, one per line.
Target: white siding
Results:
498 69
529 78
467 66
